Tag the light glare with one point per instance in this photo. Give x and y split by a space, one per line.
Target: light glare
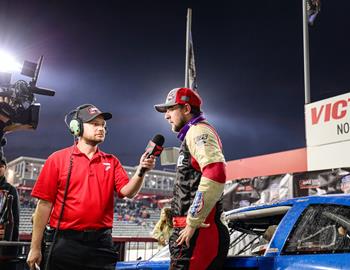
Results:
8 63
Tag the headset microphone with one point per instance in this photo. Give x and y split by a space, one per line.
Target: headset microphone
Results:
154 148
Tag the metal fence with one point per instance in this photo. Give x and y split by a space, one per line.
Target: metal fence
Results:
127 248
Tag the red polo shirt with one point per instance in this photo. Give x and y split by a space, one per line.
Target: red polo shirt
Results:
90 198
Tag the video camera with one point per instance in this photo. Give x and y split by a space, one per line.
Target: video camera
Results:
18 110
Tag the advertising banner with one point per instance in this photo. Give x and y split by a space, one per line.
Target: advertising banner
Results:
257 190
322 182
328 121
269 189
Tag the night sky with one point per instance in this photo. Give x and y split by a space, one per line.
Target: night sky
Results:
124 57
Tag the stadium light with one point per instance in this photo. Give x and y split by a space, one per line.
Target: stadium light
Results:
8 63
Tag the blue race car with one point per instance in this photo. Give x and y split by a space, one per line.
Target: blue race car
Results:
297 234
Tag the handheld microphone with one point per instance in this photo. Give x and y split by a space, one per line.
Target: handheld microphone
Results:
154 148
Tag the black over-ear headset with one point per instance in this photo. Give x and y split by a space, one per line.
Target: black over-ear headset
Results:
76 125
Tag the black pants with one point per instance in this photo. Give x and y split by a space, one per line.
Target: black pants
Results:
9 265
83 251
11 253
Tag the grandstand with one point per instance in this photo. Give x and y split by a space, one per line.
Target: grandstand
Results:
22 172
120 228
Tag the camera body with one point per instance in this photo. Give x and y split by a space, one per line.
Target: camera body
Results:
18 109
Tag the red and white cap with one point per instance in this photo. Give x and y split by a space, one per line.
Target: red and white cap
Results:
180 96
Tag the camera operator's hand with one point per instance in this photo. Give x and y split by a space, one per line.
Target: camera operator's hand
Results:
34 257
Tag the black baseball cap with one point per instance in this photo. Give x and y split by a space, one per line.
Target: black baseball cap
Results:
88 112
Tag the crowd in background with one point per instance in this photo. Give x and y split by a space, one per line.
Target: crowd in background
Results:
136 211
25 199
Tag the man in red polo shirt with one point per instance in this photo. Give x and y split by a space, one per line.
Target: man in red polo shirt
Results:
84 239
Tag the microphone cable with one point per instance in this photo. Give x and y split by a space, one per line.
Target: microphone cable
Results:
47 261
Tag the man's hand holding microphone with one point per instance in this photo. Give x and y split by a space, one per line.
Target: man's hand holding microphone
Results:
153 150
147 163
